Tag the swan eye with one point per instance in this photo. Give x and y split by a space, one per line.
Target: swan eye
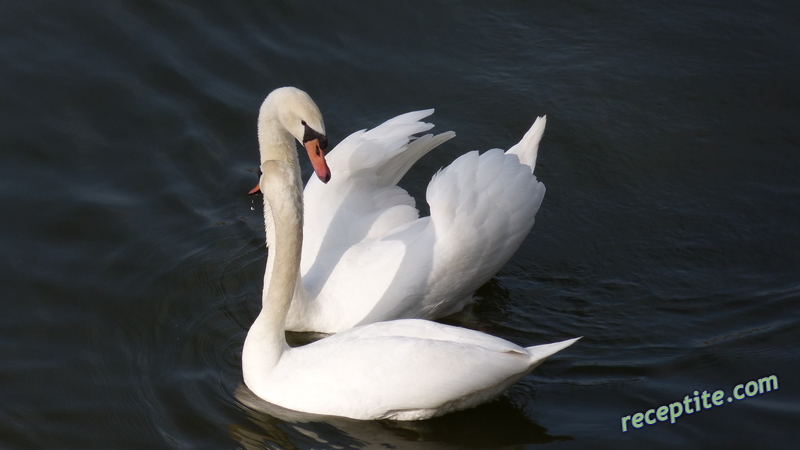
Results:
311 134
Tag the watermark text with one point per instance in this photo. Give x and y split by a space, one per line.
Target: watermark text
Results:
691 405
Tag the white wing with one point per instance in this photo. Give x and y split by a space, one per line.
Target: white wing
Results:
368 257
405 369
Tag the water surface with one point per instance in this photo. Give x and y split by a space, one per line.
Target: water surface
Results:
131 259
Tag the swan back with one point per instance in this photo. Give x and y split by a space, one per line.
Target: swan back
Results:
402 370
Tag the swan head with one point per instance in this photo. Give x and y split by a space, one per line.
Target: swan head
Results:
299 116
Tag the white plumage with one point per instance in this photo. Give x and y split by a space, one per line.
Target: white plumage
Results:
368 256
404 369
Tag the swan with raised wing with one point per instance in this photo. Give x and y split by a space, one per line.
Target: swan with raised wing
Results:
369 257
403 369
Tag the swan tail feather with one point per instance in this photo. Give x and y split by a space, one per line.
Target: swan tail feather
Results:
539 353
528 148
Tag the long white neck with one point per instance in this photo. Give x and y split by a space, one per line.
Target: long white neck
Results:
275 142
283 217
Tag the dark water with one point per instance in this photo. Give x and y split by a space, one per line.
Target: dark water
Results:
131 260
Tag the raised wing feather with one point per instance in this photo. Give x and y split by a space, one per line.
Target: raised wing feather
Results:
361 201
368 257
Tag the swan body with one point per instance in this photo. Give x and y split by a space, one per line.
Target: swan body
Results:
369 257
407 369
404 369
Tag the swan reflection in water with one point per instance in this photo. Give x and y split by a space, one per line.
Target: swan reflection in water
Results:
495 424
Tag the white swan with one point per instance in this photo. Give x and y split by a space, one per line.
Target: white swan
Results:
368 257
404 369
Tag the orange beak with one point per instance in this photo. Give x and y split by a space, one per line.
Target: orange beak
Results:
318 160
